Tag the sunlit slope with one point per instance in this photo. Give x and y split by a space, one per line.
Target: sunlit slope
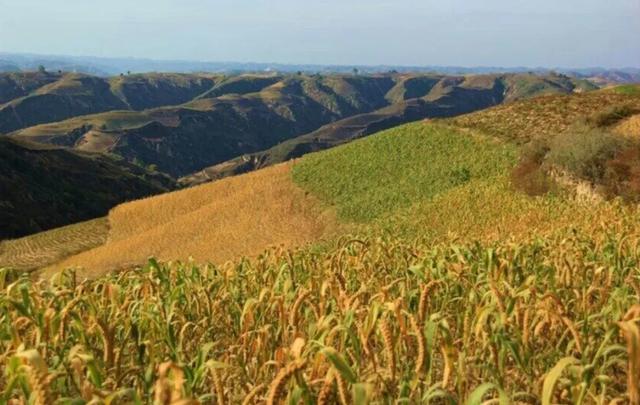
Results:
546 116
45 248
396 168
439 183
235 217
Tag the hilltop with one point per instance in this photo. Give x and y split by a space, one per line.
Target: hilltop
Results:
29 99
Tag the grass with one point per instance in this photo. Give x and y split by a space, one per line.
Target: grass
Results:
219 221
542 117
109 121
399 167
45 248
553 320
627 89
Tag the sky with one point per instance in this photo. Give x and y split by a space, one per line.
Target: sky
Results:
546 33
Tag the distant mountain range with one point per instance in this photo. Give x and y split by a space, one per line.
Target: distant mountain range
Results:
10 62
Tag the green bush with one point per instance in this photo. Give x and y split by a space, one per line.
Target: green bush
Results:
585 152
611 116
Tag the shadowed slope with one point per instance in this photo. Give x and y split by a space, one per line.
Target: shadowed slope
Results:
38 98
42 187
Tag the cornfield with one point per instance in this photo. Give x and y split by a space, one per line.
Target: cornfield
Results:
368 320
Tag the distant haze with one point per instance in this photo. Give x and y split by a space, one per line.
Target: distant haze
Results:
567 33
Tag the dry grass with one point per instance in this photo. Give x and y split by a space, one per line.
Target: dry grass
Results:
224 220
96 141
543 116
629 127
45 248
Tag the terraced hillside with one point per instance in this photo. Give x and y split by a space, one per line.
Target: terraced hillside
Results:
46 187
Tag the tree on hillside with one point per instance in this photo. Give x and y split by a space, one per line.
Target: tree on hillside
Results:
42 69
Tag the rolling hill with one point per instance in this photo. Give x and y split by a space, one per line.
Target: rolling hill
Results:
43 187
181 140
404 267
28 99
415 98
462 189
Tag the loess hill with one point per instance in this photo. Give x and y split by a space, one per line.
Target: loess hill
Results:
412 98
43 187
262 112
429 279
28 99
439 180
226 125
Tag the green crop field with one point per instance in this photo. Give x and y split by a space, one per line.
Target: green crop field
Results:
400 167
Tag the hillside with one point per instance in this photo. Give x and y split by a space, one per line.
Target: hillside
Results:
17 84
437 97
464 184
523 120
181 140
401 267
211 130
452 280
44 187
30 99
219 221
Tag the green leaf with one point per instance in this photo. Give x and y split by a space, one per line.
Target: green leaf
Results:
340 364
361 394
475 398
552 378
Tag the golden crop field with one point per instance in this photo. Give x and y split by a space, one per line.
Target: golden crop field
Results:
45 248
553 320
224 220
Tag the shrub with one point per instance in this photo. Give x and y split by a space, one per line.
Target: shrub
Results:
585 152
528 175
622 175
611 116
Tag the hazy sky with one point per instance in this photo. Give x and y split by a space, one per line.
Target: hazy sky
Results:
565 33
